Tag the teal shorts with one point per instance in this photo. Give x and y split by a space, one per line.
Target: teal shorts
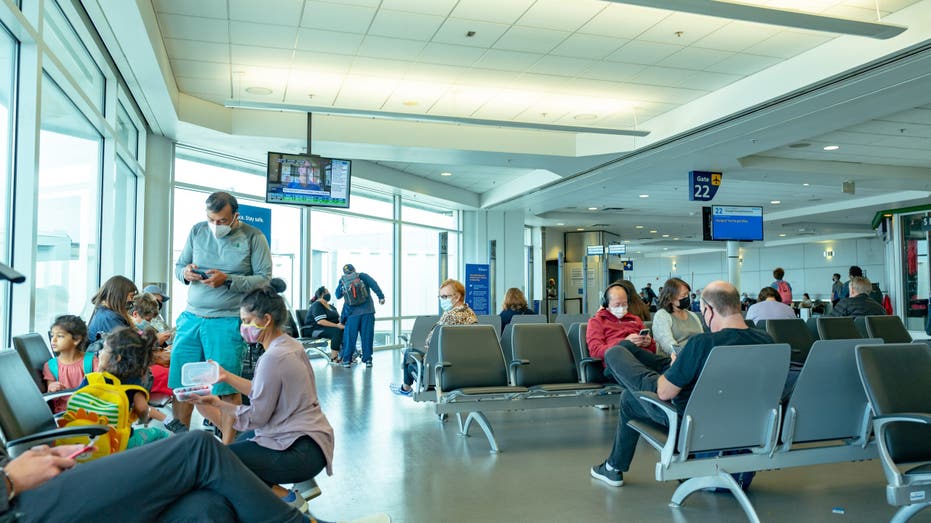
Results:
202 339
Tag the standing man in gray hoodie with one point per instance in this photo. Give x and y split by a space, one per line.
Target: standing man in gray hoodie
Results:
222 260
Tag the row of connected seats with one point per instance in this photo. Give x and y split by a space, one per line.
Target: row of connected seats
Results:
474 374
737 405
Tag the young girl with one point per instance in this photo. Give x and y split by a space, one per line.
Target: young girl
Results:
68 336
127 354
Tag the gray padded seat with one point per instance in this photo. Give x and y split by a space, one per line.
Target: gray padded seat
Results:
543 359
566 320
34 352
590 369
889 328
490 319
860 323
812 324
470 360
895 379
837 328
760 324
527 318
794 333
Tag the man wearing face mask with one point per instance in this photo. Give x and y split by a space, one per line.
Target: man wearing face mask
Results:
222 260
613 324
455 312
638 370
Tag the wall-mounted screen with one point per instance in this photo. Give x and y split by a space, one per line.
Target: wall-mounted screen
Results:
732 222
302 179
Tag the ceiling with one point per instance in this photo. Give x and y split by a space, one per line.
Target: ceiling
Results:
713 94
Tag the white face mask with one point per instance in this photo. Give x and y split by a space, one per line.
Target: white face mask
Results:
618 312
219 231
446 303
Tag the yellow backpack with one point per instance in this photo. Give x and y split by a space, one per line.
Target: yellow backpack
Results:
103 401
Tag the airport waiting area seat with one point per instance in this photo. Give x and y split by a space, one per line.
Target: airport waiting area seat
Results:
837 328
591 370
895 379
34 352
566 320
414 344
812 325
310 340
527 318
543 360
490 319
889 328
793 332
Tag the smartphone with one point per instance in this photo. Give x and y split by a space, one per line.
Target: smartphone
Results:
645 332
200 273
87 448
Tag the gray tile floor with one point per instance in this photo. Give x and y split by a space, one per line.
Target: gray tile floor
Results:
393 455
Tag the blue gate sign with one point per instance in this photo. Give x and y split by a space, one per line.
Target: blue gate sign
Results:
477 289
258 217
703 185
629 265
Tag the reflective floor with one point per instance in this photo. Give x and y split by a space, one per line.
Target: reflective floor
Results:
393 455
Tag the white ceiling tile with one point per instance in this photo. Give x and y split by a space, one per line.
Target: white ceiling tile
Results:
191 69
454 31
245 76
335 17
364 92
665 76
435 72
194 28
328 41
300 97
450 54
204 8
564 15
378 67
561 66
433 7
321 62
787 44
613 71
866 14
395 48
507 60
461 101
277 12
364 3
744 64
647 53
530 39
323 86
736 36
707 81
417 97
399 24
541 83
218 86
682 29
263 56
492 10
588 46
505 106
542 112
489 78
624 21
199 51
920 116
695 58
264 35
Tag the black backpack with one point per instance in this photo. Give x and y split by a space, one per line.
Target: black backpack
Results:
355 292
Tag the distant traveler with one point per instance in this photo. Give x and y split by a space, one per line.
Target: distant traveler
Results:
322 316
859 303
355 288
514 304
837 289
782 286
674 323
769 307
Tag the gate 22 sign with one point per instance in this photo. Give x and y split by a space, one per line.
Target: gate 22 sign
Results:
703 185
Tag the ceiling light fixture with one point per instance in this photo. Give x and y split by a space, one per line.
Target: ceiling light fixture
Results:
644 195
585 116
665 236
638 226
261 91
560 223
446 174
831 147
783 235
653 231
593 208
581 229
775 202
805 184
409 103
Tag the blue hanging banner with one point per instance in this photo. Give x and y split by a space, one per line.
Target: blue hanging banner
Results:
477 287
703 185
258 217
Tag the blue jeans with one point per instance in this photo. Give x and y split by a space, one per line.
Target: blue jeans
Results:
360 325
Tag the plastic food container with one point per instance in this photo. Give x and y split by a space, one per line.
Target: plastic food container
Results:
197 378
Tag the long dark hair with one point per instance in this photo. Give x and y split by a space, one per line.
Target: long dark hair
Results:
74 326
112 295
130 351
669 294
635 304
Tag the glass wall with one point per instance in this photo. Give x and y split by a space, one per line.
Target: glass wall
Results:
67 208
7 83
916 231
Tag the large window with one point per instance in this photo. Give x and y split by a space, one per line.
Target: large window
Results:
7 81
67 208
70 50
195 171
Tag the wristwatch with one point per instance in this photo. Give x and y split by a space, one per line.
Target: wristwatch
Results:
10 488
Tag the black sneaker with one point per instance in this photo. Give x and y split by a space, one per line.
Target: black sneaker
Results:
368 364
176 427
615 478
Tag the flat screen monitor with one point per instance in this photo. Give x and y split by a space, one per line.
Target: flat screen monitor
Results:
733 222
303 179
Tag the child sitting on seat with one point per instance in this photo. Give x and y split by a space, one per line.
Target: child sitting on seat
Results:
144 309
126 354
68 336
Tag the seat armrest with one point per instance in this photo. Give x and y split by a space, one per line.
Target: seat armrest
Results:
405 340
50 435
49 396
438 375
584 363
672 417
880 423
307 331
512 369
910 417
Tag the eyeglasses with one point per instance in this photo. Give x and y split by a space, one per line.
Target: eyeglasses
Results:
445 296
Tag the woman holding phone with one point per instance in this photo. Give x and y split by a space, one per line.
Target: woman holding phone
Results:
674 323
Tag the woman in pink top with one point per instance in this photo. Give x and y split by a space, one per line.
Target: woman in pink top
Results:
66 370
285 436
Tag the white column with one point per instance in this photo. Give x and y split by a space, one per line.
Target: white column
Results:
733 263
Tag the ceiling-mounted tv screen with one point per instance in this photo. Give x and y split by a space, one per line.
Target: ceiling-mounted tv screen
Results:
303 179
733 222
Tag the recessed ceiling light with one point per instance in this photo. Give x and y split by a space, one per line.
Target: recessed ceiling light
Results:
560 223
259 90
593 208
581 229
644 195
665 248
585 116
653 231
783 235
676 238
626 241
775 202
805 184
665 236
409 103
831 147
638 226
446 174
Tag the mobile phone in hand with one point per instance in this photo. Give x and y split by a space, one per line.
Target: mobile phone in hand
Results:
645 332
87 448
200 273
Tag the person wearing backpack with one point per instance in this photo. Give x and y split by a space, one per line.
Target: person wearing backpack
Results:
355 288
782 287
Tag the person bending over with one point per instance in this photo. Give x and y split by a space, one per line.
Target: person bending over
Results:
455 312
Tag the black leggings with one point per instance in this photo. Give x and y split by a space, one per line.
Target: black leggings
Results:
300 462
335 335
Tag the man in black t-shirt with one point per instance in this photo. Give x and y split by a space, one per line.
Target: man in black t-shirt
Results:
672 379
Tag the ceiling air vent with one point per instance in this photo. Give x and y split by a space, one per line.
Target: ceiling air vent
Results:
613 209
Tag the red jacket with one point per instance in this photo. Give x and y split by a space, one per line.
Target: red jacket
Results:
606 331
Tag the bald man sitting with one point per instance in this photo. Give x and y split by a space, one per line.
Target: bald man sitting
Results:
640 370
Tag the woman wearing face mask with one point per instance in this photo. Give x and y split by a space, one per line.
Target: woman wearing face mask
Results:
674 323
455 312
285 437
111 309
614 323
324 319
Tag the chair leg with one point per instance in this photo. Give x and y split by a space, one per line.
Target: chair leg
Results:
720 480
905 513
482 421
